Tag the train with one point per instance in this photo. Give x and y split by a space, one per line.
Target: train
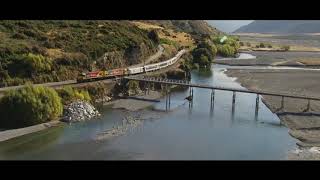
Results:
112 73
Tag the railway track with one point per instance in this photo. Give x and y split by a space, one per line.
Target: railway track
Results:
74 83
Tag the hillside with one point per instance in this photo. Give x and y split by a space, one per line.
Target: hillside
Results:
281 26
194 27
58 50
44 51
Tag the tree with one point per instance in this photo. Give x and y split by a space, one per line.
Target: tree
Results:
153 35
204 61
285 47
261 45
29 106
69 94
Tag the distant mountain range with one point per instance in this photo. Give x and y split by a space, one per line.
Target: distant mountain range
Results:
281 26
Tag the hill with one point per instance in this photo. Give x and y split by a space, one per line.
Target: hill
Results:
281 26
66 48
193 27
55 50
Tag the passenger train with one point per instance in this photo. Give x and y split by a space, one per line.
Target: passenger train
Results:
98 75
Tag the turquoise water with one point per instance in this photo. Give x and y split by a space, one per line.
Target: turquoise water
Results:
197 133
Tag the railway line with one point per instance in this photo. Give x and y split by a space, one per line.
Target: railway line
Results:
103 77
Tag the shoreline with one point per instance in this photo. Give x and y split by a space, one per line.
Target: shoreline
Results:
304 128
14 133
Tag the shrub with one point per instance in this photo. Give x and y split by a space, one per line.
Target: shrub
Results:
133 86
204 61
248 44
36 63
257 46
285 47
241 43
261 45
153 35
29 106
69 94
226 50
269 46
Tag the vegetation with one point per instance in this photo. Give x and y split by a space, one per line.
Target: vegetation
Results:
133 86
204 54
69 94
229 47
262 45
285 48
55 50
241 43
29 106
248 44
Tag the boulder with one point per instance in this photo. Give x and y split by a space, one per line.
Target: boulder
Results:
79 111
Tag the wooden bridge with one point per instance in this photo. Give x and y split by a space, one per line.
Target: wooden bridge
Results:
169 82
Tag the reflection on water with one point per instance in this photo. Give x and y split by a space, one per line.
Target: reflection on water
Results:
203 131
241 56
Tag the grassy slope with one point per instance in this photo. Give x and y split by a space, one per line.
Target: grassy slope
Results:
72 45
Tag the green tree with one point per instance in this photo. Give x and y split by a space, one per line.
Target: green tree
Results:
69 94
285 47
29 106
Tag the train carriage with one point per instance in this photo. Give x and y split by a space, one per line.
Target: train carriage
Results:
136 70
128 71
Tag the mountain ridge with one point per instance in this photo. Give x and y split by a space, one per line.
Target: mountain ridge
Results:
281 26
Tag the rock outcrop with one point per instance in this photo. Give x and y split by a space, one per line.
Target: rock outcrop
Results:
79 111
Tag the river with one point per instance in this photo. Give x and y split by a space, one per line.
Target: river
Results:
183 133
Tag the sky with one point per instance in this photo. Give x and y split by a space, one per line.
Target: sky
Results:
228 25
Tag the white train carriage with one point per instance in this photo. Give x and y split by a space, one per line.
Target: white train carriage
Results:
151 67
135 70
164 64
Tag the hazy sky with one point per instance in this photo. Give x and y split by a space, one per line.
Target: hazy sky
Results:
228 25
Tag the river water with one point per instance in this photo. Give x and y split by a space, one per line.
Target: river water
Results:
183 133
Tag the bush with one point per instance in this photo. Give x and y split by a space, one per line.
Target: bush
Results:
133 86
285 47
29 106
226 50
241 43
261 45
34 64
204 61
269 46
248 44
69 94
257 46
153 35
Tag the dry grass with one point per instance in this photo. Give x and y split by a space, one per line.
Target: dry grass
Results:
276 47
147 26
182 38
309 61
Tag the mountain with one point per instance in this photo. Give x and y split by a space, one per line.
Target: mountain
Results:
281 26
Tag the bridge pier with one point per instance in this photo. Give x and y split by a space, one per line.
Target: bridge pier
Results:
168 98
308 109
257 108
281 106
233 102
212 98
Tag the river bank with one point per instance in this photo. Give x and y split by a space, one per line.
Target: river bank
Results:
302 127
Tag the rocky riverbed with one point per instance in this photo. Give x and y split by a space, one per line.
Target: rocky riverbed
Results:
130 122
305 128
79 111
